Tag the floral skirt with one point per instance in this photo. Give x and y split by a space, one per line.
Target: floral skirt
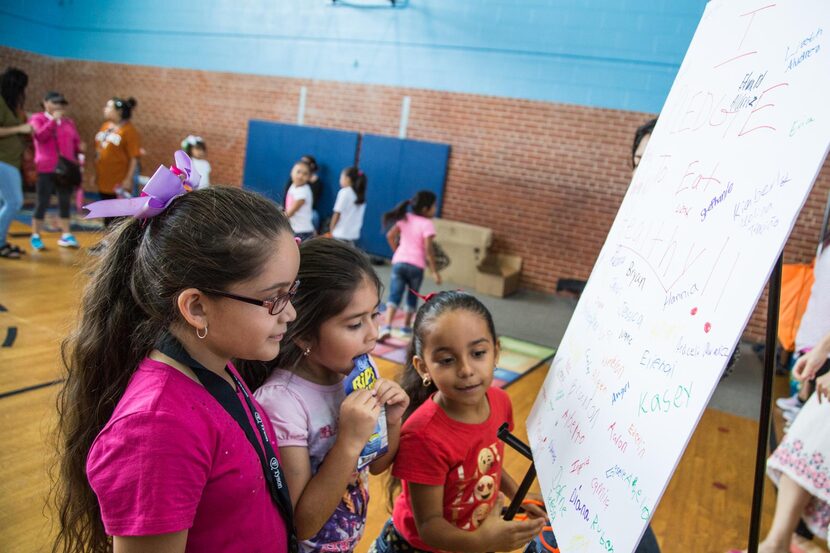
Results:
803 456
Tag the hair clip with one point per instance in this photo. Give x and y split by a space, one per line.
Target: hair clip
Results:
425 298
191 140
163 187
433 294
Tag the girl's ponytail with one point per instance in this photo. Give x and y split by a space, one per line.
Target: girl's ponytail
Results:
114 334
207 238
358 183
125 107
359 187
396 214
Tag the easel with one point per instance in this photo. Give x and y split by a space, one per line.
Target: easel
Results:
523 449
773 305
763 422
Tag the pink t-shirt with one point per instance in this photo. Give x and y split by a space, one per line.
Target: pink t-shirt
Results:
411 248
306 414
171 459
52 137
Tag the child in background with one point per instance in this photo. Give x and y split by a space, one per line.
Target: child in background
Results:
316 188
350 206
450 458
410 237
195 147
117 149
55 136
321 429
298 202
154 458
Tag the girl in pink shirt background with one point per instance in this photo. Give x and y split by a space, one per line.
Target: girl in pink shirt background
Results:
149 455
410 236
55 135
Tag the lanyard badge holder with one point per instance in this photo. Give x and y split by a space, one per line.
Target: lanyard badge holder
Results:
224 394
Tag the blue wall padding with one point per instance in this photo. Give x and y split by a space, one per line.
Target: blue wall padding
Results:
273 148
395 170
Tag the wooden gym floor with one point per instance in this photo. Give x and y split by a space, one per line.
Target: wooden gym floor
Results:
705 509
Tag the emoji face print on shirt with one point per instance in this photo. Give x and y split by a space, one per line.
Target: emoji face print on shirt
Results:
480 513
486 458
485 488
478 492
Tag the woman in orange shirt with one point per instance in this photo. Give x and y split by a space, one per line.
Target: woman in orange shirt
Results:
117 147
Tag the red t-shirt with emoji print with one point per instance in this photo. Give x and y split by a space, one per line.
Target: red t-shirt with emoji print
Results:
466 459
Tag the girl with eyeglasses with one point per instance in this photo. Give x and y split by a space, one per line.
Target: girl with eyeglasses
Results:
163 447
321 430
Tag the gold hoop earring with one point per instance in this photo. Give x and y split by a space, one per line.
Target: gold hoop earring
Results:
426 381
201 336
306 352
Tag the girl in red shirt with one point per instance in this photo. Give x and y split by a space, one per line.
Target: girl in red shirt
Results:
450 459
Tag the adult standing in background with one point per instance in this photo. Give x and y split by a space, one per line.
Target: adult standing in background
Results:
117 148
641 137
57 145
12 128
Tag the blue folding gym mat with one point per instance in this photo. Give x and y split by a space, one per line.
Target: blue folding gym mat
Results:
395 170
273 148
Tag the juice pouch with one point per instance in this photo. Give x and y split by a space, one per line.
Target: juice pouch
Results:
364 376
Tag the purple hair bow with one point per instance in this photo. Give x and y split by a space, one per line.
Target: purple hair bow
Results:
163 187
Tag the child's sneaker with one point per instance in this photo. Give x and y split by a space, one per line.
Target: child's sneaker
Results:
36 242
787 403
68 241
384 333
790 414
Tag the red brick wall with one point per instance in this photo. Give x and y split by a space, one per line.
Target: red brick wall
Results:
564 169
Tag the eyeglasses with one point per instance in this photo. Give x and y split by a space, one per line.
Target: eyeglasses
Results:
275 305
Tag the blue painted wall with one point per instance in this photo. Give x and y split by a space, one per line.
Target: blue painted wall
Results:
606 53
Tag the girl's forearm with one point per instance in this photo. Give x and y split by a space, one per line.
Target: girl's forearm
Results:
294 208
508 486
128 179
334 218
40 132
324 491
438 533
8 131
431 262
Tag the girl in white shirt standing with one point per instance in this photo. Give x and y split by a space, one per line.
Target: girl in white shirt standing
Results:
195 147
350 206
299 201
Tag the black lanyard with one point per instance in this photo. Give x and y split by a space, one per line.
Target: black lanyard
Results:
223 392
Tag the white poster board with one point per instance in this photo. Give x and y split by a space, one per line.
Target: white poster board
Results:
742 136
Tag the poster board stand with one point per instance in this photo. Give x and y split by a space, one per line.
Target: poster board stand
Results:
773 303
524 450
764 421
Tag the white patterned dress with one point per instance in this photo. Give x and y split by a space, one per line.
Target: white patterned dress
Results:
803 455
